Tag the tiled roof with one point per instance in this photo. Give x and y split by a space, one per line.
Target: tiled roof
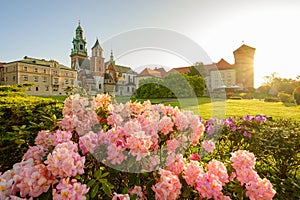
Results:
1 64
149 72
223 64
184 70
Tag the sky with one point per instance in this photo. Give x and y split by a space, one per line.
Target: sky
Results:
169 33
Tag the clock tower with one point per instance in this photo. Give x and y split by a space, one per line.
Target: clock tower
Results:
79 51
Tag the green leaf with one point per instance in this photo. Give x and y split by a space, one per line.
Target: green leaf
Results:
98 174
105 187
94 191
105 174
91 183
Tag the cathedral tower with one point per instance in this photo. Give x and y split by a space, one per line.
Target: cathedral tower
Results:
244 65
97 60
79 51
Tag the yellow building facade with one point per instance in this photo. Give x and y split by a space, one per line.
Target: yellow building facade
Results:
47 77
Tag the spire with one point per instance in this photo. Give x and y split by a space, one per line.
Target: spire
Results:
96 44
111 55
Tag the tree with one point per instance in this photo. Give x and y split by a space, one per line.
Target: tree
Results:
197 69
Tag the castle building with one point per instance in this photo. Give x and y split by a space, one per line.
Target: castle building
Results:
94 74
48 77
222 74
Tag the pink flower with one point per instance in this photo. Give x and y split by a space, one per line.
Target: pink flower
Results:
260 189
191 171
36 153
242 159
61 136
168 186
138 191
139 145
165 125
246 175
218 169
101 101
32 180
120 197
44 138
194 157
172 145
69 190
175 163
65 161
208 145
89 142
208 186
115 154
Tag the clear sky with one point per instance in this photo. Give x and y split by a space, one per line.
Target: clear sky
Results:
45 29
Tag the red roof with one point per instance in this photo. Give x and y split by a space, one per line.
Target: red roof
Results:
223 64
149 72
1 64
184 70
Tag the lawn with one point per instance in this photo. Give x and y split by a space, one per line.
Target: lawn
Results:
217 108
208 108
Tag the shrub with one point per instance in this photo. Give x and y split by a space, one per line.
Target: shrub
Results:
285 98
272 99
21 117
275 143
161 143
296 95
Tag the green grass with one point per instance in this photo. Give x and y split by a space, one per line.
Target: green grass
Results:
217 108
207 108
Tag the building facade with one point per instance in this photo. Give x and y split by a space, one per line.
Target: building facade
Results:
97 76
47 77
222 74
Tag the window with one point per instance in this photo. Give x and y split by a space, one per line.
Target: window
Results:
6 78
36 88
36 79
14 78
44 71
25 68
66 73
44 79
81 47
67 81
25 78
6 68
36 70
55 72
47 88
72 82
127 89
132 89
71 74
99 86
29 89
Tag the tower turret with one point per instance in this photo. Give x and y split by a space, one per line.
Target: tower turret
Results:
79 50
244 65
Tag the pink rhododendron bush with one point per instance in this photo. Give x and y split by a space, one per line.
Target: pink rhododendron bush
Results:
102 150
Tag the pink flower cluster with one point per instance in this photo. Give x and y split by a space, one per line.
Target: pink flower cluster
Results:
209 184
69 190
191 172
79 114
168 187
64 161
208 146
244 162
27 179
